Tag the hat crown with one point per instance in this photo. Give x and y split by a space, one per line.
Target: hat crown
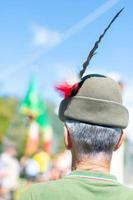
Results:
100 87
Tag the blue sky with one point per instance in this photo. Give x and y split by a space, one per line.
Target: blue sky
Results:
36 37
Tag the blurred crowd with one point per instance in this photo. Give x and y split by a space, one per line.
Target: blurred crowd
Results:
16 176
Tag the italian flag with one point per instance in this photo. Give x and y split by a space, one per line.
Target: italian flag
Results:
34 108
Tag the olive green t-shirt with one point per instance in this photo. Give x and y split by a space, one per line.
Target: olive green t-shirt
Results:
80 185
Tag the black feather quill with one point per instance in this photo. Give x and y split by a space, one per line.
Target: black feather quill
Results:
96 45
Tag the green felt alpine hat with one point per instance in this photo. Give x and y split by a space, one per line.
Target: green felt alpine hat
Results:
98 101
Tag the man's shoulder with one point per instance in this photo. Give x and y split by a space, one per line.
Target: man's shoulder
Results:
47 190
126 189
66 188
54 184
122 191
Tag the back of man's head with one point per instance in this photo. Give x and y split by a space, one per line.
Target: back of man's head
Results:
91 140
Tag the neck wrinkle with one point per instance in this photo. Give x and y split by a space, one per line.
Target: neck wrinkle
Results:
98 163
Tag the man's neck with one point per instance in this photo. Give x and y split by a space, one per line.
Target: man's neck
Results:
98 163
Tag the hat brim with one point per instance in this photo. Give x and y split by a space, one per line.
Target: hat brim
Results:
94 111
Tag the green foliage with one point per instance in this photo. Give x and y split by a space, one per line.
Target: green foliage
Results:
7 109
17 133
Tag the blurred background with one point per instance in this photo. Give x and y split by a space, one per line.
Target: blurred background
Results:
42 44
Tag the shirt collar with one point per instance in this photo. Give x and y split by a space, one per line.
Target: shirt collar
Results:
92 176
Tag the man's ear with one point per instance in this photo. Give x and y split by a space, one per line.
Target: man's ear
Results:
120 141
67 139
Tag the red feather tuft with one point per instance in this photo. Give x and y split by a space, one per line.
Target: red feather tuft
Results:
66 89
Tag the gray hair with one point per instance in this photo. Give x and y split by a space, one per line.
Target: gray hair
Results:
92 139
